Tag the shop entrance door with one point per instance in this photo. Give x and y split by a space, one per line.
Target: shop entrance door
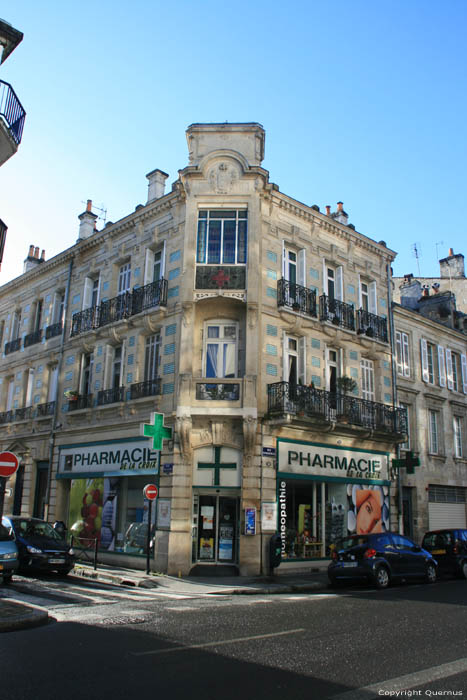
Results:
217 531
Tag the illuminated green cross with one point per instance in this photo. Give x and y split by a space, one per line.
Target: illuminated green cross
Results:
217 466
158 431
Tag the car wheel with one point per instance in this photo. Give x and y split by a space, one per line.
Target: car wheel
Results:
381 577
464 569
431 573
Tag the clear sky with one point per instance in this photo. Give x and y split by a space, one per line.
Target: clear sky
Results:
362 101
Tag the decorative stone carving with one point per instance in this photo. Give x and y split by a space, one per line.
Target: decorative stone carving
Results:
183 427
222 177
249 438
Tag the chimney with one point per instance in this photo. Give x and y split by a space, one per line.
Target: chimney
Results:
87 220
156 184
410 292
328 210
452 266
33 260
340 215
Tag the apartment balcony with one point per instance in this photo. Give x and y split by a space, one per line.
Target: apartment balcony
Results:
12 116
372 326
12 346
80 401
32 338
337 312
25 413
107 396
7 417
121 307
44 410
296 297
152 387
285 399
53 330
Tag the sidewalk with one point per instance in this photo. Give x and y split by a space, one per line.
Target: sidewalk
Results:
17 616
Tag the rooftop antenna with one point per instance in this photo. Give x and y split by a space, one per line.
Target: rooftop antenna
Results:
437 244
416 248
102 209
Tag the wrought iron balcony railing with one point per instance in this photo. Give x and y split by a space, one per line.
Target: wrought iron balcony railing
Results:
12 111
12 346
217 391
53 330
45 409
151 387
33 338
286 398
106 396
6 417
337 312
371 325
84 401
297 297
25 413
121 307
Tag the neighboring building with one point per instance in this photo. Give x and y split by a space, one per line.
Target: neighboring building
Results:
431 365
235 311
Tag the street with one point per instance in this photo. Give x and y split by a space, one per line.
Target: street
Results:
356 643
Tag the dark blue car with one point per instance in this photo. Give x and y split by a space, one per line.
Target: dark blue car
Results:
380 559
40 547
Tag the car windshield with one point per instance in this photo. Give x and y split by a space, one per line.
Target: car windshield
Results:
5 534
349 542
35 528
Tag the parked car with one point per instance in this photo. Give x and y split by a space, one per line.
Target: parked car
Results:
380 559
8 553
450 549
40 547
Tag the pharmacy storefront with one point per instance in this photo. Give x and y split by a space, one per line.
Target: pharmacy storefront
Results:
105 495
326 492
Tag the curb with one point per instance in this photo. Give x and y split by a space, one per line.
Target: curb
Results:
25 618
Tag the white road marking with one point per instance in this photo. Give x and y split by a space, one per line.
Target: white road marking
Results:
219 643
410 680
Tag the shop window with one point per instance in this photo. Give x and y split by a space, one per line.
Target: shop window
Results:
222 237
220 349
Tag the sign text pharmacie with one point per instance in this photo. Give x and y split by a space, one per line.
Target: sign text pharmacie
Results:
117 457
325 460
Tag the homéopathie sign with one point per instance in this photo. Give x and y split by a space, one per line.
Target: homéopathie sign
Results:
116 458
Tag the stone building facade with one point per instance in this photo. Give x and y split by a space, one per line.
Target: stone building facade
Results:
256 324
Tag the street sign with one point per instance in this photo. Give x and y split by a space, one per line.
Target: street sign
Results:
150 492
8 464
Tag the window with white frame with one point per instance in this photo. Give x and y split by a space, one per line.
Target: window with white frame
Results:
427 351
406 445
458 434
37 316
52 383
456 372
367 371
152 357
87 361
222 237
29 387
333 281
402 354
91 292
124 278
368 298
220 349
117 367
154 265
433 432
58 307
332 369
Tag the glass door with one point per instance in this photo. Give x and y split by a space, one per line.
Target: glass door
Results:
217 528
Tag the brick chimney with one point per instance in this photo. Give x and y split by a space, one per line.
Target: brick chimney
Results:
33 259
340 215
87 220
156 184
452 266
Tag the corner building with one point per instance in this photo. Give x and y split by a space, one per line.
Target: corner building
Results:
237 312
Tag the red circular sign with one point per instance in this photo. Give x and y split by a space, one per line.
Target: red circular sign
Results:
8 463
150 492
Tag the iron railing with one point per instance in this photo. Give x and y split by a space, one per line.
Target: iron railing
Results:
218 391
151 387
106 396
287 398
337 312
12 346
121 307
297 297
6 417
84 401
32 338
53 330
371 325
24 413
12 111
45 409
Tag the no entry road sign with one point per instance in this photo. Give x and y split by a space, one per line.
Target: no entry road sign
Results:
150 492
8 463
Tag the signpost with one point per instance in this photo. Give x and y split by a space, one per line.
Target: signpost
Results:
150 492
8 465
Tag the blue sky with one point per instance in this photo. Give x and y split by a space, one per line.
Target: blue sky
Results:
362 101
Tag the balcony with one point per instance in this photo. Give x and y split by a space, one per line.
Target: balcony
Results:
32 338
12 346
6 417
54 330
25 413
372 326
45 409
217 391
106 396
152 387
80 402
12 116
296 297
119 308
336 312
308 402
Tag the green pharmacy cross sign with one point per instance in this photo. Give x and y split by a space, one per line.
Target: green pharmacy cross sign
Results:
157 431
410 462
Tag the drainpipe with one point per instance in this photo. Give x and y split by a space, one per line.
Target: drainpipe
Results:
55 414
394 392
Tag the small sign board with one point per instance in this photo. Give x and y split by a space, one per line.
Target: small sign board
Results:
250 521
167 468
269 451
8 464
150 492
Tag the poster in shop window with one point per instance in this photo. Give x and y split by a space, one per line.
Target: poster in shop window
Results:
226 533
163 513
269 517
207 513
206 549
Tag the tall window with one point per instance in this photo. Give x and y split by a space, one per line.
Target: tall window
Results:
332 369
290 271
457 428
124 278
364 293
87 364
157 266
117 367
29 387
368 379
37 316
456 371
95 292
221 343
428 361
402 354
16 325
58 307
151 357
433 432
222 237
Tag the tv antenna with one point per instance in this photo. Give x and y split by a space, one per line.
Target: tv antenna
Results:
102 209
417 252
437 244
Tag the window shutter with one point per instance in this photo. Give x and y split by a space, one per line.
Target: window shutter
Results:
399 353
29 389
163 259
441 366
148 266
405 354
373 300
449 369
301 277
464 372
359 292
340 283
87 293
284 262
325 277
53 382
302 360
122 365
424 356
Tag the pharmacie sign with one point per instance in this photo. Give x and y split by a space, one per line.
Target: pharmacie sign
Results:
331 461
109 458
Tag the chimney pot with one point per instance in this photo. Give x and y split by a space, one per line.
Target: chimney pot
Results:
328 210
43 255
451 252
89 205
340 206
36 252
31 251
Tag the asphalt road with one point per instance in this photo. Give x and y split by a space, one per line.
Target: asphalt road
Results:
356 644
